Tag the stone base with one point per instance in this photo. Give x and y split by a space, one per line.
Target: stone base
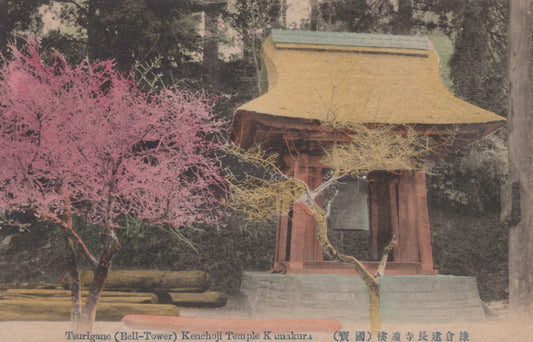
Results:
404 299
332 267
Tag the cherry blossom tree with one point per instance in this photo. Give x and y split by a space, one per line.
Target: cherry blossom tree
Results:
85 140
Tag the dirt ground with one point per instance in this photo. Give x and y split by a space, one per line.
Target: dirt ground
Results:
493 331
498 328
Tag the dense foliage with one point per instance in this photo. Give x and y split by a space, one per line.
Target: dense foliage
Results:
116 150
133 31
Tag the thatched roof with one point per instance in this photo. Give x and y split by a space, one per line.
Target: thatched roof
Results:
358 78
367 79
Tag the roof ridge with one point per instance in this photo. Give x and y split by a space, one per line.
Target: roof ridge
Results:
349 39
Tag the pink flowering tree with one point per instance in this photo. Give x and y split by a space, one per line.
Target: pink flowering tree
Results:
86 140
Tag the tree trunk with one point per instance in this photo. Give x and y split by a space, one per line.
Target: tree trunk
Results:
74 281
371 282
521 157
257 65
71 239
284 13
92 37
210 49
314 15
100 274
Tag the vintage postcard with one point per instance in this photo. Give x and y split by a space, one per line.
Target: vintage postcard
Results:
274 170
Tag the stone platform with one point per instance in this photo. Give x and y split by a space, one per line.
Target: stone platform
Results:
404 299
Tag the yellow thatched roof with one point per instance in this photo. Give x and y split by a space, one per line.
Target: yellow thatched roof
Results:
359 79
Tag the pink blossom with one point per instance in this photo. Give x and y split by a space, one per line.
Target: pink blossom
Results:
115 149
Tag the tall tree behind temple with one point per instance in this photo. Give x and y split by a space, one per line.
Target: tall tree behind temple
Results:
253 21
16 15
471 179
367 16
212 14
137 31
403 21
352 16
478 65
521 159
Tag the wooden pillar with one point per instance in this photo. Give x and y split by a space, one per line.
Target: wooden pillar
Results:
379 187
282 234
394 218
407 212
422 221
373 207
296 237
414 235
398 206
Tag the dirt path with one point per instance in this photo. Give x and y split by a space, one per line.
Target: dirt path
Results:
502 331
499 328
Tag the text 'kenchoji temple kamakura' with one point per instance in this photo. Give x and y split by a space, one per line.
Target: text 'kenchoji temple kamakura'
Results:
317 77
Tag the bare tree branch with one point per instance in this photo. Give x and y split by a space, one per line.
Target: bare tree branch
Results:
71 234
381 268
